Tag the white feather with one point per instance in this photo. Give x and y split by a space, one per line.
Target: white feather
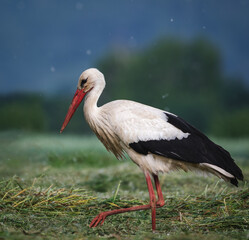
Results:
135 122
218 169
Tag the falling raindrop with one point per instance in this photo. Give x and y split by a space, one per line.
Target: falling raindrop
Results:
165 95
88 52
52 69
79 6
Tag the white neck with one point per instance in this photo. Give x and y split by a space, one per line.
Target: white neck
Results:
98 121
90 105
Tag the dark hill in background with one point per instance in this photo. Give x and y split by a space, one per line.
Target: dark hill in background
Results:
184 77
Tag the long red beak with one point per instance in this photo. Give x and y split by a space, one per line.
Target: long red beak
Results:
78 97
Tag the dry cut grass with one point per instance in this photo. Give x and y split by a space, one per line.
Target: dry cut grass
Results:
52 191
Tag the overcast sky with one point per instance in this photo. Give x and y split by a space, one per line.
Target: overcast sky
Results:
46 44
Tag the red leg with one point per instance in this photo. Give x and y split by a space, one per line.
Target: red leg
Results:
152 201
160 202
102 216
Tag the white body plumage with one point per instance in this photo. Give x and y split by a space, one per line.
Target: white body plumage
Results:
120 123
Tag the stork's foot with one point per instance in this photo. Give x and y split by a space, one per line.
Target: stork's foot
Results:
99 219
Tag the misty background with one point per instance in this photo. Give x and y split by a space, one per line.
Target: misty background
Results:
189 57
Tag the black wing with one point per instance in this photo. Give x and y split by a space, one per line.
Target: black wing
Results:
196 148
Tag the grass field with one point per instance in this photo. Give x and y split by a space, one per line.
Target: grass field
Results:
52 186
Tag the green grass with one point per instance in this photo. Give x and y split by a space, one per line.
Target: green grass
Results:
52 186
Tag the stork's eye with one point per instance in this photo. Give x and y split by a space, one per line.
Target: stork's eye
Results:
83 82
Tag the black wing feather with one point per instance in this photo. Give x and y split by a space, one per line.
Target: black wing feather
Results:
196 148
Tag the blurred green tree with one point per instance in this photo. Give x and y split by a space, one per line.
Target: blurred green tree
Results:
184 77
22 111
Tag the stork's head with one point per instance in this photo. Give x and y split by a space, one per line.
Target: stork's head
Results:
90 79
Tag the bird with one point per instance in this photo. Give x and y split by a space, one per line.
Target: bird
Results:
157 141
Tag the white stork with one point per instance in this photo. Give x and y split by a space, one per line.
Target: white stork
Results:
156 140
